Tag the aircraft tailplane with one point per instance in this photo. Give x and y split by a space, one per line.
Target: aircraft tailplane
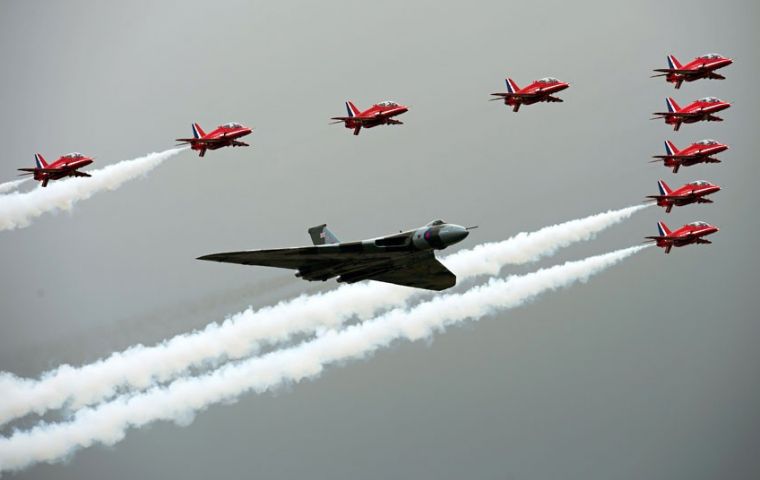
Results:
198 131
663 229
673 62
39 160
664 188
321 235
351 109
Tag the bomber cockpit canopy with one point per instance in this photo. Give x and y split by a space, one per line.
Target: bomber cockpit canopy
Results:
699 224
388 103
232 125
699 183
710 56
710 100
547 80
707 141
435 223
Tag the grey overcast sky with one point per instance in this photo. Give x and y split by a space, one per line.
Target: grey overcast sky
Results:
651 370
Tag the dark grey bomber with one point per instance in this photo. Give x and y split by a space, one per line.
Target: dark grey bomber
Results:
404 258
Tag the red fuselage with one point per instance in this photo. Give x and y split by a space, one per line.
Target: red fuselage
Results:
698 111
538 91
226 135
698 152
699 68
692 233
65 166
378 114
693 192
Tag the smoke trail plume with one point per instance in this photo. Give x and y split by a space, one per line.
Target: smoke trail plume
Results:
243 334
179 401
12 185
17 210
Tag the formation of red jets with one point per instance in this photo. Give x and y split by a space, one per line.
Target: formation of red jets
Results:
703 151
541 90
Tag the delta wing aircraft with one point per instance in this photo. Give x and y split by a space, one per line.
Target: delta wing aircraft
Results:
405 258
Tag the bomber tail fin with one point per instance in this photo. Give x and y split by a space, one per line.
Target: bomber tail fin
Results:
673 63
512 86
198 131
39 160
351 109
321 235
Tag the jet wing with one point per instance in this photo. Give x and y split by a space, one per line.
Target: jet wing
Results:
350 263
517 95
43 170
679 71
679 114
207 141
429 274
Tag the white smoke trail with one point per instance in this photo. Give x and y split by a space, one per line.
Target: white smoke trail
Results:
179 401
18 209
243 334
12 185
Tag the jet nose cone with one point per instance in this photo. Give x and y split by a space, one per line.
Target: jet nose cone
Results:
453 234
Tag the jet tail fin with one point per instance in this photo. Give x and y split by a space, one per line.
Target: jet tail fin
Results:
663 229
351 109
670 148
512 86
321 235
672 105
664 188
198 131
673 63
39 160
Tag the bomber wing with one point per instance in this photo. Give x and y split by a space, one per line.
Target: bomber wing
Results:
429 274
350 263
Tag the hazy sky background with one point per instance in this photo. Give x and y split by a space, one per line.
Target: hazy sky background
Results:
649 371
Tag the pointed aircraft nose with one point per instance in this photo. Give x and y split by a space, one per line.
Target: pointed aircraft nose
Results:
452 234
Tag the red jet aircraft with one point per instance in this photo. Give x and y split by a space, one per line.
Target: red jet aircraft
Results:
65 166
222 136
701 67
378 114
698 152
686 235
697 111
692 192
538 91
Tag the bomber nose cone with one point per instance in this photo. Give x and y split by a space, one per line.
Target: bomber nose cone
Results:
453 234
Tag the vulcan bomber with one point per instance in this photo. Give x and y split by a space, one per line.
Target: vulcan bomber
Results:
406 258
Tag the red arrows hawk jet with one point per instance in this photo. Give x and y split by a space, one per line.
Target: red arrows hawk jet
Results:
538 91
378 114
698 152
697 111
686 235
222 136
701 67
692 192
66 166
